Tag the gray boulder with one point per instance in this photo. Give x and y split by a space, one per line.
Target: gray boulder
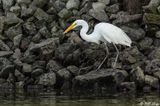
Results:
73 4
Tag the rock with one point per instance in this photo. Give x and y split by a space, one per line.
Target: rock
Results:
41 15
5 53
13 31
25 41
73 69
40 64
157 74
15 9
19 75
146 43
64 73
73 4
123 18
3 46
106 2
149 18
98 6
37 38
17 40
29 28
4 73
155 54
12 19
47 79
99 15
20 86
106 77
113 8
152 81
134 34
7 4
44 32
26 68
157 34
156 42
158 9
64 13
23 1
39 3
45 47
137 75
59 5
153 3
4 62
64 50
2 24
27 12
53 66
153 66
128 86
37 72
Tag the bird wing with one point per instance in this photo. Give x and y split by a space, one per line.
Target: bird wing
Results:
111 33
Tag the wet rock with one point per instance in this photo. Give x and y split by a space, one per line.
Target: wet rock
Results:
4 62
45 47
103 77
17 40
64 50
134 33
7 4
44 32
137 75
3 46
152 66
13 31
41 15
152 81
106 2
99 15
39 3
64 73
73 69
26 68
123 17
155 54
47 79
158 34
72 4
4 73
5 53
53 66
149 18
29 28
15 9
37 72
64 13
19 76
128 86
12 19
113 8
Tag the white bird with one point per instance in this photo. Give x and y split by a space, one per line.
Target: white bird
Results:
104 32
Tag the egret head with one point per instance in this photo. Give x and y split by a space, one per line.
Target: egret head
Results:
74 25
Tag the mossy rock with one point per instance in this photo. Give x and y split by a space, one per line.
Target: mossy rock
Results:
149 18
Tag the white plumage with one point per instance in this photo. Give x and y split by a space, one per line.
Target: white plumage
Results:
104 32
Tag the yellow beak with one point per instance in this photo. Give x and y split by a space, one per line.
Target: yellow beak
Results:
70 28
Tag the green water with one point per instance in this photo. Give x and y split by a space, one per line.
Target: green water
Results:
50 99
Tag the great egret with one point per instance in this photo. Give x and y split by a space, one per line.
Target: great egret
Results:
104 32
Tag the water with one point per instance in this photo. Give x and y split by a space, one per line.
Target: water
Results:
50 99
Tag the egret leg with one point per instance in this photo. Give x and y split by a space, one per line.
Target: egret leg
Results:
107 53
114 65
